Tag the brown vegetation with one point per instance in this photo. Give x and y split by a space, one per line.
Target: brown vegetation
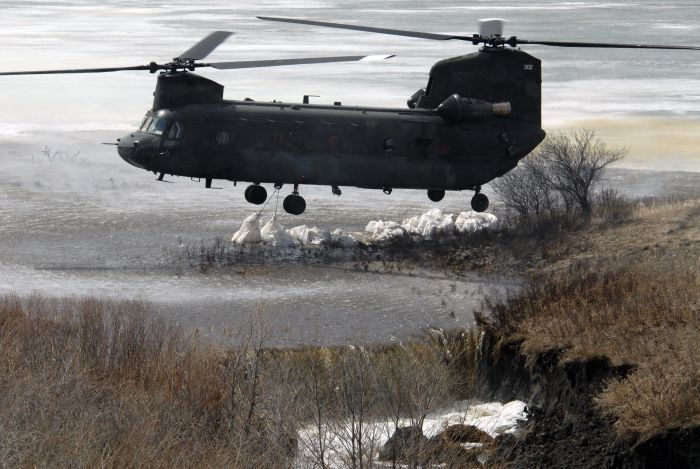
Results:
102 383
630 293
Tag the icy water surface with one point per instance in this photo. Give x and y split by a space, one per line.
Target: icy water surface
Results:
89 225
77 220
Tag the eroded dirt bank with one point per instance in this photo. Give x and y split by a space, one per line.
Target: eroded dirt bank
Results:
602 346
565 427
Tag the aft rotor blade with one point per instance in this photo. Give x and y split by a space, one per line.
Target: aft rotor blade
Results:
205 47
370 29
606 45
79 70
281 62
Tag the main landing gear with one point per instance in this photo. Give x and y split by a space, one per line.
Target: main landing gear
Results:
294 203
436 195
256 194
480 202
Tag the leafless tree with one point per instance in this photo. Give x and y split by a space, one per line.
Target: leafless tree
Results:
560 174
525 189
354 426
575 161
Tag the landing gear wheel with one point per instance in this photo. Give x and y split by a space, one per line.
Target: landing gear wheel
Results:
436 195
480 202
255 194
294 204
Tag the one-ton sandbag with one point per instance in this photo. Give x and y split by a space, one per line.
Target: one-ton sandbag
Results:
274 233
249 232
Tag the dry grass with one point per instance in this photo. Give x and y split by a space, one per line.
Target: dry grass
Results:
97 383
94 383
642 310
616 308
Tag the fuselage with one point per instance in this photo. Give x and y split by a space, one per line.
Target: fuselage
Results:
448 138
289 143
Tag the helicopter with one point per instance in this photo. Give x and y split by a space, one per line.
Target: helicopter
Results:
477 117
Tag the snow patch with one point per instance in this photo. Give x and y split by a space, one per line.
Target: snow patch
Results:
493 418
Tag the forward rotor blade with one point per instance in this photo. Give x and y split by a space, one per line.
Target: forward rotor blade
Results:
606 45
205 47
79 70
394 32
281 62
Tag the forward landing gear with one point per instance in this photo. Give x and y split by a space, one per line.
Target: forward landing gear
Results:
480 202
294 204
256 194
436 195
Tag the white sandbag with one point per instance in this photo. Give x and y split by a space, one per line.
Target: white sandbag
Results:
431 224
384 230
274 233
305 235
344 239
249 232
469 222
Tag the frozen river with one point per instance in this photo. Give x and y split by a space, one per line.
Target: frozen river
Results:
77 220
89 225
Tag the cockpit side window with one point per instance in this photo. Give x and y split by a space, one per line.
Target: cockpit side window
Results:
175 132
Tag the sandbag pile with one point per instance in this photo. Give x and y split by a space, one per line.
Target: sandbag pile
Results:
432 224
274 234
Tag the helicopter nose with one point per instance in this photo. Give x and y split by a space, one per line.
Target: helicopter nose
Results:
135 149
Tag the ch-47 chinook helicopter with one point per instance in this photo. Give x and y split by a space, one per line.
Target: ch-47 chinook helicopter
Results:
477 117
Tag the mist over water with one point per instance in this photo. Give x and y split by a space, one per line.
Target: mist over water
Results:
88 223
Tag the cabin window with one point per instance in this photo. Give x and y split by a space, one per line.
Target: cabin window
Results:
222 137
389 145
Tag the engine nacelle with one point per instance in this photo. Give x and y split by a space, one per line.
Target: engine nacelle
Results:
456 109
415 97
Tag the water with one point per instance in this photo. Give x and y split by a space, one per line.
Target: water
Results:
87 223
577 82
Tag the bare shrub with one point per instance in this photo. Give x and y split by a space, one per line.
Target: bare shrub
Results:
95 382
100 383
526 189
576 161
559 176
62 155
614 208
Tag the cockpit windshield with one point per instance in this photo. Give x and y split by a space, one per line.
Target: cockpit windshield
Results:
158 125
154 124
146 122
